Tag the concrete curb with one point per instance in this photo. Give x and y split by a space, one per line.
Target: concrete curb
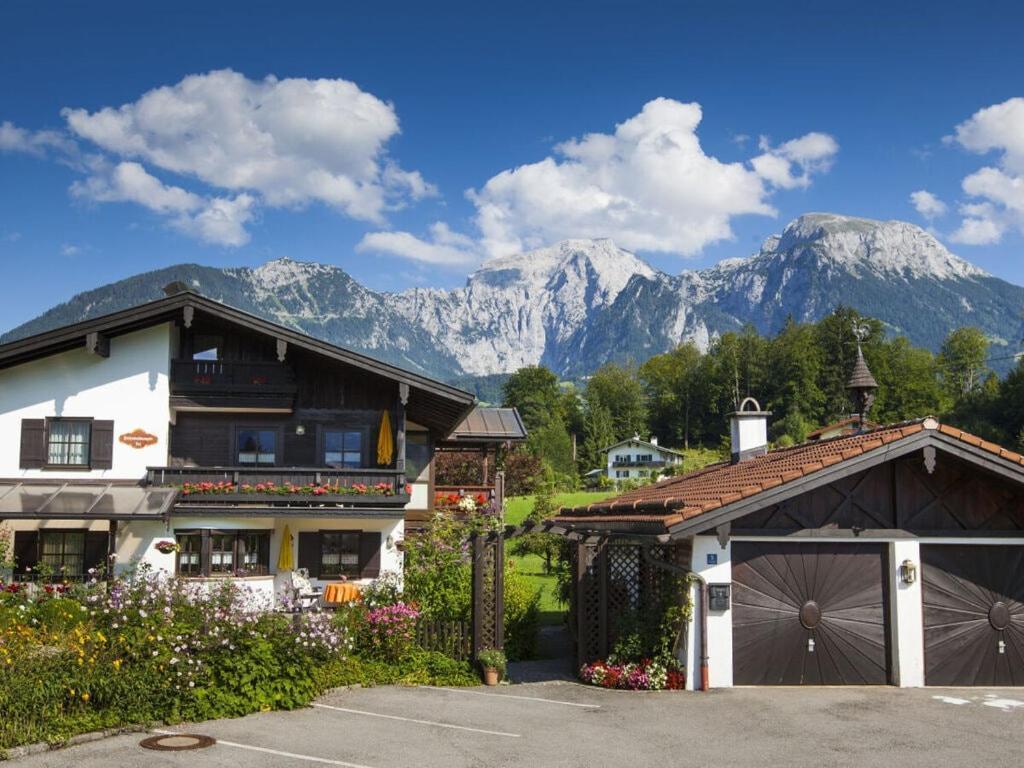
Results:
16 753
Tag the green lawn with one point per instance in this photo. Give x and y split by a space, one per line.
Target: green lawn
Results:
518 507
531 566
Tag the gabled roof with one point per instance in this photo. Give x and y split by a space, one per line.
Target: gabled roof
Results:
700 500
434 403
490 425
643 443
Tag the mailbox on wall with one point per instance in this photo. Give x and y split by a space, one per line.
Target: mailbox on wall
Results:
718 597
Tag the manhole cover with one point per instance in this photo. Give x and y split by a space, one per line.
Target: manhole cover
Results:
177 741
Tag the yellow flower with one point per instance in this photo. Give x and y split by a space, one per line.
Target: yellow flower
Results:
85 696
117 663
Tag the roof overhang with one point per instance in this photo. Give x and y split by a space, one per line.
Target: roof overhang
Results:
435 404
985 460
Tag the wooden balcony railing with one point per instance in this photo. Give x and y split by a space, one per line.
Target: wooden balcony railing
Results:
625 463
192 376
244 482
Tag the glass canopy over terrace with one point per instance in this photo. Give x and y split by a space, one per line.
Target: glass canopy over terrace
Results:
83 501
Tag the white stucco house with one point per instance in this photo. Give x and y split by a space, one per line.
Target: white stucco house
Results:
634 459
201 440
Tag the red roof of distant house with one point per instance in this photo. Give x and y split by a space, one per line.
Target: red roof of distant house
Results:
682 498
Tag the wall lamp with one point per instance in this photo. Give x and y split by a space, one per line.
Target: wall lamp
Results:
908 572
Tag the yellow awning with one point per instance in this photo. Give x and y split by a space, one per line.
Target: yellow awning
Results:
385 443
285 561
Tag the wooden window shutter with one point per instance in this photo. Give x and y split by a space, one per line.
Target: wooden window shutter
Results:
102 445
26 550
310 552
33 443
369 554
95 549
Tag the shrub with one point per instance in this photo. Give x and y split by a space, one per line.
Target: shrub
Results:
492 658
390 631
458 468
522 472
419 668
522 615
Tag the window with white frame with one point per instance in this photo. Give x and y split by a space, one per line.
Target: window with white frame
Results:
67 442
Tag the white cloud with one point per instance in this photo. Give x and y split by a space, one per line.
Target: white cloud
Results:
811 153
217 220
649 185
238 144
15 139
999 191
444 247
70 249
927 204
291 141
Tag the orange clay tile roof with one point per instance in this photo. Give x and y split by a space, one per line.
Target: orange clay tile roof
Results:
682 498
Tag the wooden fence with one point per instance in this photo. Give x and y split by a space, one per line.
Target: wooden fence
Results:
452 638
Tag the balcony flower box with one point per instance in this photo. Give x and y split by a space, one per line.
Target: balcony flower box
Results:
272 490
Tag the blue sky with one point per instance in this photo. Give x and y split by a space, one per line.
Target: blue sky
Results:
858 106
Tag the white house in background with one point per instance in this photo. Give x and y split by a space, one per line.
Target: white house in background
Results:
190 436
635 458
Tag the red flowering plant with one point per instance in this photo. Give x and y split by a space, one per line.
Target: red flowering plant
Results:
166 546
644 656
466 503
643 675
286 489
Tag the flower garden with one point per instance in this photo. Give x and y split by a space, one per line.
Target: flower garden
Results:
151 648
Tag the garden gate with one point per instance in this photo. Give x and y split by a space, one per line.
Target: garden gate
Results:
611 577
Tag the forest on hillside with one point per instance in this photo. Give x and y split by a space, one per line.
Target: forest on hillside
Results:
683 397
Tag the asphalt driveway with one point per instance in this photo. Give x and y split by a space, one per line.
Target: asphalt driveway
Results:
566 724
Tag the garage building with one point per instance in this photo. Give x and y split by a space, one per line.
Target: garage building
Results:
892 556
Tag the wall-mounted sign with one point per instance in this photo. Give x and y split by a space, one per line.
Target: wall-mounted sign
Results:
712 558
138 438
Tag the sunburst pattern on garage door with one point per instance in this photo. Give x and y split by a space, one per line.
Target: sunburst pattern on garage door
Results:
809 614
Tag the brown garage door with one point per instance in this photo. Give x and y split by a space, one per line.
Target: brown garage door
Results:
809 614
973 614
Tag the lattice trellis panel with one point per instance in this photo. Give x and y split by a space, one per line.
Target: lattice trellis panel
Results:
488 589
614 579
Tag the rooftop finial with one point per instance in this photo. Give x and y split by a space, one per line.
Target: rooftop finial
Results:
862 385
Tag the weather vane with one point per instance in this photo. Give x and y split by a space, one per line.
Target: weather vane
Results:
861 330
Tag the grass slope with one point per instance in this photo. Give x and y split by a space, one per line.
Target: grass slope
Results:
517 508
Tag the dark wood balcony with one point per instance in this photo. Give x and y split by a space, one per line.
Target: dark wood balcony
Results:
650 464
213 384
285 486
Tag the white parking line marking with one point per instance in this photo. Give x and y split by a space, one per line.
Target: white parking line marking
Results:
1007 705
279 753
512 696
951 700
418 722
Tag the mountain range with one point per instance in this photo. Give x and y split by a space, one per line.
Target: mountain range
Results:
578 304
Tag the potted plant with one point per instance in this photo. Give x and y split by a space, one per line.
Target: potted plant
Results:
492 662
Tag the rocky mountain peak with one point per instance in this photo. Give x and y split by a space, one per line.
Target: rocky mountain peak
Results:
285 271
857 244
